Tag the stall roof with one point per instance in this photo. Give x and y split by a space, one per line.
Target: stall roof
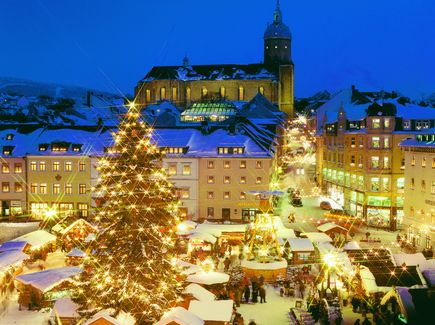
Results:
202 235
11 258
65 307
103 315
352 245
220 310
410 259
188 268
78 222
12 246
301 244
181 316
317 236
199 292
75 252
208 278
329 226
218 229
48 279
37 238
429 275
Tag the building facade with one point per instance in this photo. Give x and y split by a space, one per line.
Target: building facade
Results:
185 84
13 187
420 189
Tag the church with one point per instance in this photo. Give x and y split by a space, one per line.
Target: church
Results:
186 84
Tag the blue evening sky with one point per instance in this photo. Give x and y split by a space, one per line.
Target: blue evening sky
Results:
111 44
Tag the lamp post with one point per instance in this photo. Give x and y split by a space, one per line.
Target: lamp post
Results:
330 261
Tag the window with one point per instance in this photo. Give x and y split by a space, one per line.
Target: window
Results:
42 166
242 196
184 193
360 161
82 209
148 95
258 180
6 187
375 162
68 189
261 90
231 150
9 136
18 168
172 169
82 188
56 189
7 150
19 187
33 166
258 164
38 209
68 166
386 162
374 183
227 164
423 185
352 160
352 142
56 166
242 164
5 168
386 142
386 123
376 123
188 93
162 93
376 142
210 212
210 195
386 184
210 179
33 188
241 93
433 162
76 147
432 188
242 179
174 93
406 124
422 125
413 161
361 142
227 195
186 169
204 92
412 183
423 162
227 179
82 166
210 164
222 92
400 184
43 188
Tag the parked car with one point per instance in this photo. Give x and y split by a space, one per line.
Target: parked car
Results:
338 213
325 205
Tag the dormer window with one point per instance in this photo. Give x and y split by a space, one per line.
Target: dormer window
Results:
406 124
175 150
422 125
43 147
77 147
59 146
231 150
9 136
7 150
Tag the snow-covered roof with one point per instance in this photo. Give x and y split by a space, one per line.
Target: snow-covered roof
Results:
65 307
429 275
11 258
208 278
317 236
202 235
301 244
188 268
253 265
217 229
328 226
78 222
37 238
181 316
75 252
12 246
352 245
220 310
199 292
48 279
409 259
103 315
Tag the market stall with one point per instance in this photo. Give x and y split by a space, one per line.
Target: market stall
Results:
40 243
75 257
180 316
218 312
64 312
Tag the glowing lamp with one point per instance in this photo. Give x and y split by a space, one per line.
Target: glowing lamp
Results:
330 260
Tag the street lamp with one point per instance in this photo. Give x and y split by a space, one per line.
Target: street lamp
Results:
331 261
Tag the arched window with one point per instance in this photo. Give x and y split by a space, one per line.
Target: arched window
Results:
148 95
162 93
188 93
204 91
261 90
174 93
222 92
241 93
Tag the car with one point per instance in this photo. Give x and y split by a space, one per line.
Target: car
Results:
325 205
296 202
338 213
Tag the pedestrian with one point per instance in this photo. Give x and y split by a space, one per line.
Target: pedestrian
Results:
262 294
227 263
366 321
254 292
357 322
247 293
261 280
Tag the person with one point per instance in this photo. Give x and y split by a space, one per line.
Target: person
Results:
247 293
227 263
262 294
357 322
254 292
261 279
366 321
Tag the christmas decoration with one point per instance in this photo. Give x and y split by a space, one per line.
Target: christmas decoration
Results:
131 266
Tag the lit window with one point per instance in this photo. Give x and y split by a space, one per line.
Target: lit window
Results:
9 136
6 187
82 188
68 189
186 169
227 195
82 209
432 189
423 162
406 124
5 168
376 142
412 185
162 93
188 93
242 196
258 164
34 188
241 93
227 179
174 93
227 164
352 142
148 95
19 187
413 161
386 143
243 164
376 123
386 123
386 162
43 188
210 195
242 179
7 150
375 162
386 184
423 185
56 166
18 168
433 162
56 189
222 92
68 166
352 160
210 164
258 180
210 179
204 92
375 183
76 147
172 169
261 89
185 193
82 166
42 166
33 166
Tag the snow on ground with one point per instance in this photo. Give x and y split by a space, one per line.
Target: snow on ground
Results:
11 230
12 315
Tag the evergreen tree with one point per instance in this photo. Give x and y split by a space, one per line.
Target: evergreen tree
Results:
131 267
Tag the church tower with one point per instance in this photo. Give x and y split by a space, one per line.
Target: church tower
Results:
277 58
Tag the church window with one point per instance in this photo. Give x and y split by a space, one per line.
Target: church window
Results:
162 93
261 90
188 93
204 91
222 92
174 93
148 95
241 93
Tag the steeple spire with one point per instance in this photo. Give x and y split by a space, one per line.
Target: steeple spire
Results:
277 15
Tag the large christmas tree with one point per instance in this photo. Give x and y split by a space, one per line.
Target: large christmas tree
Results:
131 267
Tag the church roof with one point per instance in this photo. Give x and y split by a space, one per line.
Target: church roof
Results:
211 72
277 29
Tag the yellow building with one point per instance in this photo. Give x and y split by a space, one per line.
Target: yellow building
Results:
185 84
359 161
420 189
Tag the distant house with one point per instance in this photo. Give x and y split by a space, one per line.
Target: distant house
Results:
302 250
